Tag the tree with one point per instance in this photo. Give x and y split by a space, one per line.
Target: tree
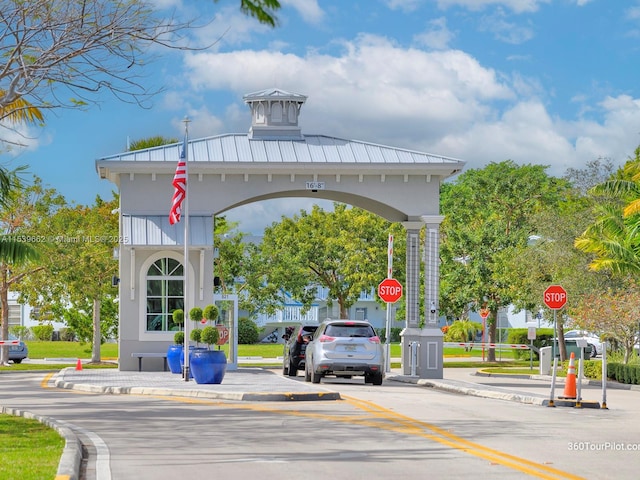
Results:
488 215
344 251
77 270
23 207
150 142
614 238
550 256
61 54
615 313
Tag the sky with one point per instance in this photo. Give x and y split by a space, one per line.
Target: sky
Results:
550 82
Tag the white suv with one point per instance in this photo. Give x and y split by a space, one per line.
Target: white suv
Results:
345 348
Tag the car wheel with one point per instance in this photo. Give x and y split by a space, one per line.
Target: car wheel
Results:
293 371
17 360
368 378
315 377
594 352
307 374
285 370
376 378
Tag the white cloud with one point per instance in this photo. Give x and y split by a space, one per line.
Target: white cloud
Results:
437 36
372 85
309 10
517 6
444 102
504 30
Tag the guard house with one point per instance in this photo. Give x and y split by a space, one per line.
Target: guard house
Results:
273 160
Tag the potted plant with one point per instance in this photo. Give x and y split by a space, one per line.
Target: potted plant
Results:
195 335
208 366
195 314
175 351
210 312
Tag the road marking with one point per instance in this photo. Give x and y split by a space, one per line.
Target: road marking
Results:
416 427
103 455
386 419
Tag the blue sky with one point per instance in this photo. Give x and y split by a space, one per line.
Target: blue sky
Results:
552 82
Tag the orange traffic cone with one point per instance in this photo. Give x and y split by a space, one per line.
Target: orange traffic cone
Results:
79 364
570 382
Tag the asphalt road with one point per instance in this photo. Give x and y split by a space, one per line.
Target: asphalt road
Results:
397 429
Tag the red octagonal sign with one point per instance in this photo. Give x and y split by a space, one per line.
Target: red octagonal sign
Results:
555 297
390 290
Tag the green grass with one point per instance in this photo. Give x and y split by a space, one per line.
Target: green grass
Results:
39 350
29 450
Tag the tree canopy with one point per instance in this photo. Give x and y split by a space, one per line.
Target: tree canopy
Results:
61 54
344 252
488 216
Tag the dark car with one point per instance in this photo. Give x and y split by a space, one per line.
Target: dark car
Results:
18 352
295 347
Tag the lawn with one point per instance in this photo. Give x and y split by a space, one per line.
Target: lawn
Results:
33 452
109 351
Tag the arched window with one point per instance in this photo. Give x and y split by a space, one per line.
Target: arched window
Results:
276 112
260 114
165 282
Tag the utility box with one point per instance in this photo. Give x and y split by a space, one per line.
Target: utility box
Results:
545 360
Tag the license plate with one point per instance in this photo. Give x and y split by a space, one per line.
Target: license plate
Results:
350 348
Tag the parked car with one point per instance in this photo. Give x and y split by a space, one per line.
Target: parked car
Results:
592 339
19 352
295 347
345 348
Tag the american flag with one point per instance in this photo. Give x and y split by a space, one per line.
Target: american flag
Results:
180 188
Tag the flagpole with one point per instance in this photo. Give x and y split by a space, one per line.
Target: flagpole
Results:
186 248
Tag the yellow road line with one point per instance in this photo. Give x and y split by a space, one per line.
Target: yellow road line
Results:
459 443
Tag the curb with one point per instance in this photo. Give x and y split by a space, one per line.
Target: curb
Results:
71 459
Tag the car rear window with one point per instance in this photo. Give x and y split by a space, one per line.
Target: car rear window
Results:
365 331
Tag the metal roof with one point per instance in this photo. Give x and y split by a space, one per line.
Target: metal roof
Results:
235 149
155 230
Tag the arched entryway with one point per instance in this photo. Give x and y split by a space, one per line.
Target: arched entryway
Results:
273 160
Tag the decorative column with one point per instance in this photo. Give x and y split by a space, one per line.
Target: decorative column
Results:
412 289
432 269
422 352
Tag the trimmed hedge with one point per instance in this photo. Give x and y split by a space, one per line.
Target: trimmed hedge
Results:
544 338
624 373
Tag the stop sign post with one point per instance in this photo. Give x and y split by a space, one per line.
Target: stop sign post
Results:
555 297
390 290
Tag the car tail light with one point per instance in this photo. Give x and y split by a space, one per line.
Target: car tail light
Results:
375 339
326 338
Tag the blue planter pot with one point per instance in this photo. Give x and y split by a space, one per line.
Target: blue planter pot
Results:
175 354
191 350
208 366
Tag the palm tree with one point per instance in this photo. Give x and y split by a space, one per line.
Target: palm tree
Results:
19 111
614 238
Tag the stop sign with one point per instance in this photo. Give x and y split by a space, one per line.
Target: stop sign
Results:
390 290
555 297
223 334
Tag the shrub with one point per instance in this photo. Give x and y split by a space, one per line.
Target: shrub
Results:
195 335
395 334
544 338
248 332
19 331
195 314
210 312
67 335
178 338
592 369
210 335
43 332
178 316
